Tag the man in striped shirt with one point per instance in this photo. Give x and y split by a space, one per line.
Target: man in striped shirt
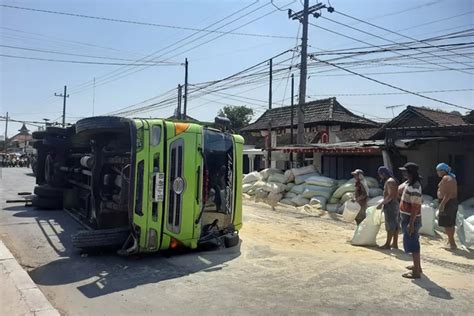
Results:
410 211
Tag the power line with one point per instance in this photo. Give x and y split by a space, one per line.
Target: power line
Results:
82 62
138 22
80 55
394 87
387 93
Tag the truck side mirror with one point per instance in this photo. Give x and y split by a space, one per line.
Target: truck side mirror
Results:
222 122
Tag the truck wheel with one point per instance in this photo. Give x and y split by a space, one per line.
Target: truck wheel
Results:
101 238
231 240
45 203
48 191
99 123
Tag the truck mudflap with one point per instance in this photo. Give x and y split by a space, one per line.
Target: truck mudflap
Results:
113 238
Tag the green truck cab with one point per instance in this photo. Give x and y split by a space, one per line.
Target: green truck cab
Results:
143 185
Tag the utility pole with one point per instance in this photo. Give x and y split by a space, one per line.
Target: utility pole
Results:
64 96
178 110
185 88
270 96
292 108
302 16
93 99
6 132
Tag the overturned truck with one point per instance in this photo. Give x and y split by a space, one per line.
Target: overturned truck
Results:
142 185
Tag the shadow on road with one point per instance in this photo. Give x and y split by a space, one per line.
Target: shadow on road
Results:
108 273
432 288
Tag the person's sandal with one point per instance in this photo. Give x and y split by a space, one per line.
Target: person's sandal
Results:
410 275
411 268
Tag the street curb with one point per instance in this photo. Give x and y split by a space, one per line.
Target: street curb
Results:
37 303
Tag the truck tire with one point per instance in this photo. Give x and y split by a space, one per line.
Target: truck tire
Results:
48 191
44 203
231 240
101 238
99 123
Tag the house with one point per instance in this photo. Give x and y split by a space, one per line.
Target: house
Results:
323 120
21 141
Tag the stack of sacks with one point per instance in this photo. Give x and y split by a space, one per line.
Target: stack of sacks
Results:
249 182
296 178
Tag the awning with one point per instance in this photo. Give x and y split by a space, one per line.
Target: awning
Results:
369 147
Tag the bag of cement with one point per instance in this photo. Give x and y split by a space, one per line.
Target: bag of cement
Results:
298 189
332 208
274 198
258 185
468 229
465 225
427 199
313 190
303 170
260 195
277 178
300 201
375 192
318 201
265 173
290 195
289 186
334 200
346 197
302 178
375 201
427 220
366 232
251 192
274 187
246 187
290 177
348 187
350 211
287 202
252 177
321 181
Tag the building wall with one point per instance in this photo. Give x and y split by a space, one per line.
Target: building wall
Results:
460 156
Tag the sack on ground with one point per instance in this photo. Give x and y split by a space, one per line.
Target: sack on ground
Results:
375 192
247 187
346 197
298 189
289 186
321 181
287 202
334 200
260 195
351 209
366 233
304 177
299 200
303 170
427 220
252 177
318 201
278 178
468 228
265 173
290 195
348 187
274 187
290 177
333 208
274 198
312 191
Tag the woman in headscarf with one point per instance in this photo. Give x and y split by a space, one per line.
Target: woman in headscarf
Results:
361 195
448 197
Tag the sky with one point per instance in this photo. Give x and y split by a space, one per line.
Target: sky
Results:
27 86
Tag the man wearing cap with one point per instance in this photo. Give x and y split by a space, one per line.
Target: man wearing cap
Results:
361 194
448 197
410 211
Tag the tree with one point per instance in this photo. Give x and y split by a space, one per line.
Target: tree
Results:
239 116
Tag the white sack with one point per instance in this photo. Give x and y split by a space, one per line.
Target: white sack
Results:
252 177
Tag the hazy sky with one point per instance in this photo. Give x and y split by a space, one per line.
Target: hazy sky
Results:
27 86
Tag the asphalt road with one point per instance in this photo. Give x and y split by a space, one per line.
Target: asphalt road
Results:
284 265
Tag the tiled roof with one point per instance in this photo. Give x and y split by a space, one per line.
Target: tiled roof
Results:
440 118
315 112
356 134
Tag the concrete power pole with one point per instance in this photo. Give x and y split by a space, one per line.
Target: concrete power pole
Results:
303 16
6 132
64 96
270 85
185 114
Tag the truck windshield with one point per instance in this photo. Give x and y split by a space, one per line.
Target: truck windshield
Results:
218 172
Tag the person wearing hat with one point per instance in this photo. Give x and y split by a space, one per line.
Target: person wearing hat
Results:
361 194
390 207
410 212
448 207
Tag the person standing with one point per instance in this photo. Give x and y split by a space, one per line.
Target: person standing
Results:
361 194
448 207
410 211
390 207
